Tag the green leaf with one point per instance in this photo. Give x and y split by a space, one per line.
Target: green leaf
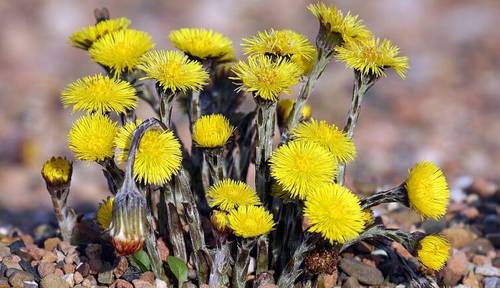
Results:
179 268
141 261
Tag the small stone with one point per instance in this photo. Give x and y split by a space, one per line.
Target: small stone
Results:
29 284
120 283
4 251
27 239
12 261
362 272
138 283
69 279
105 277
53 281
51 243
494 238
479 260
46 268
455 268
162 284
351 282
68 268
60 256
43 231
491 224
59 272
480 246
49 257
35 252
120 266
459 237
324 280
495 262
483 188
471 280
488 270
77 277
131 274
16 245
4 283
71 258
17 278
148 276
91 279
84 269
3 269
66 247
471 213
491 282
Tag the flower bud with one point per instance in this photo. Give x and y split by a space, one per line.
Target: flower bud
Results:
129 224
57 173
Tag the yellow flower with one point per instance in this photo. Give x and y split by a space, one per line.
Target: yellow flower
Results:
328 136
350 28
367 215
229 194
85 37
300 166
57 171
220 220
373 57
121 50
282 43
266 78
158 157
285 108
99 93
428 190
104 213
173 70
202 43
250 221
91 137
334 212
433 251
211 131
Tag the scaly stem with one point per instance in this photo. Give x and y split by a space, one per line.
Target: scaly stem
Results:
266 120
396 194
166 101
362 83
240 268
113 174
305 92
65 216
215 161
154 254
219 274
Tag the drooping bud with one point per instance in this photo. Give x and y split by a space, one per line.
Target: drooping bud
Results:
57 173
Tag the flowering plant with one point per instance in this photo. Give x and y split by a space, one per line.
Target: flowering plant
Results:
292 228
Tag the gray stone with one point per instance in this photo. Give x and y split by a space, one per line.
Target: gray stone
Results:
53 281
351 282
491 282
362 272
488 270
105 277
4 250
30 284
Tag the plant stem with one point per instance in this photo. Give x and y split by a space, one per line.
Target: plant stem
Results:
166 101
266 121
154 254
113 174
240 268
215 161
219 274
396 194
305 92
362 83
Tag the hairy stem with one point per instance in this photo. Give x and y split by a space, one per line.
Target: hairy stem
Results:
266 121
396 194
215 161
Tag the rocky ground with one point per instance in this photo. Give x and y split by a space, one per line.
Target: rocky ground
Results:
40 259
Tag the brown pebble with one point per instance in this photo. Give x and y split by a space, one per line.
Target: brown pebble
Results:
120 266
68 268
51 243
77 277
27 239
479 260
120 283
49 257
162 249
138 283
59 272
148 276
471 213
84 269
46 268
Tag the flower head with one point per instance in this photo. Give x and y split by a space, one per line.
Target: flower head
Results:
285 107
367 215
427 190
158 156
202 43
57 172
250 221
85 37
220 220
300 166
100 93
211 131
129 226
433 251
267 78
328 136
229 194
373 57
282 43
104 213
347 28
121 50
174 71
334 212
91 137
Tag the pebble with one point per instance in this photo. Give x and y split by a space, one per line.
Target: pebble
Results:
17 278
471 280
68 268
53 281
480 246
488 270
483 187
46 268
459 237
120 266
4 283
351 282
51 243
77 277
105 277
162 249
491 224
148 276
364 273
69 278
455 268
84 269
4 251
471 213
494 238
49 257
138 283
12 261
120 283
491 282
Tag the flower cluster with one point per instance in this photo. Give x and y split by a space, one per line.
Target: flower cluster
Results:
202 196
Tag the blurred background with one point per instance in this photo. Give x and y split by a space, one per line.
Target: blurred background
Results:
447 110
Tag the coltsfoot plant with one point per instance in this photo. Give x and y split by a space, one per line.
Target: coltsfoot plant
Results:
295 225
